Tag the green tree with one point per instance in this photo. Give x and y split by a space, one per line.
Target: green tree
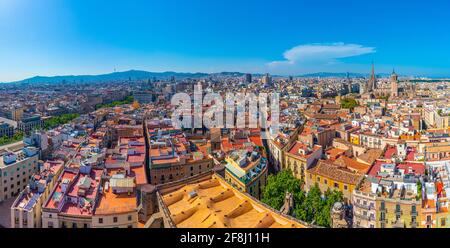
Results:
59 120
419 190
127 100
277 185
317 208
4 140
348 103
331 197
308 207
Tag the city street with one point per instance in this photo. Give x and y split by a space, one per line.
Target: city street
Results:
5 214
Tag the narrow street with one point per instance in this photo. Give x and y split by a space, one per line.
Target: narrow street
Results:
5 213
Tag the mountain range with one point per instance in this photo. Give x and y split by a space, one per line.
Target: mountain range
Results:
142 75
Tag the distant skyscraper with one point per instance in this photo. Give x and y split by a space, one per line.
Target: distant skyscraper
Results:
248 78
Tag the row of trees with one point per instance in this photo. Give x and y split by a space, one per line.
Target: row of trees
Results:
312 207
59 120
127 100
4 140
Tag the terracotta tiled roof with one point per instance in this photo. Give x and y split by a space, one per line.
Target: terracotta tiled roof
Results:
335 172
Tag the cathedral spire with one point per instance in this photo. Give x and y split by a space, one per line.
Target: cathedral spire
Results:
371 84
373 69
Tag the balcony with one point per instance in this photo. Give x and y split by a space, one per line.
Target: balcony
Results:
364 217
359 205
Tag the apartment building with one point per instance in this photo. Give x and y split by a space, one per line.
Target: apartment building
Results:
246 170
6 129
175 157
331 176
26 209
17 164
300 157
73 200
364 209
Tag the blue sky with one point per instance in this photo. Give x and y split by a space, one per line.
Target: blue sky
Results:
60 37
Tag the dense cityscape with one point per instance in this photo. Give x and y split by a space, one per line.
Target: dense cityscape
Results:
350 152
229 123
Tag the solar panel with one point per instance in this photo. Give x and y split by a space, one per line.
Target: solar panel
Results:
31 202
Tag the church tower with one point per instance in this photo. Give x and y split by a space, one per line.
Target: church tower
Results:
394 84
372 81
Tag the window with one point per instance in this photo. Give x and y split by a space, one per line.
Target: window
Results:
115 219
192 168
325 181
129 217
318 179
442 222
345 187
74 225
85 225
100 220
336 185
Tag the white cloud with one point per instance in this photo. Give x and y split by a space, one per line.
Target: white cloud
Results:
319 53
